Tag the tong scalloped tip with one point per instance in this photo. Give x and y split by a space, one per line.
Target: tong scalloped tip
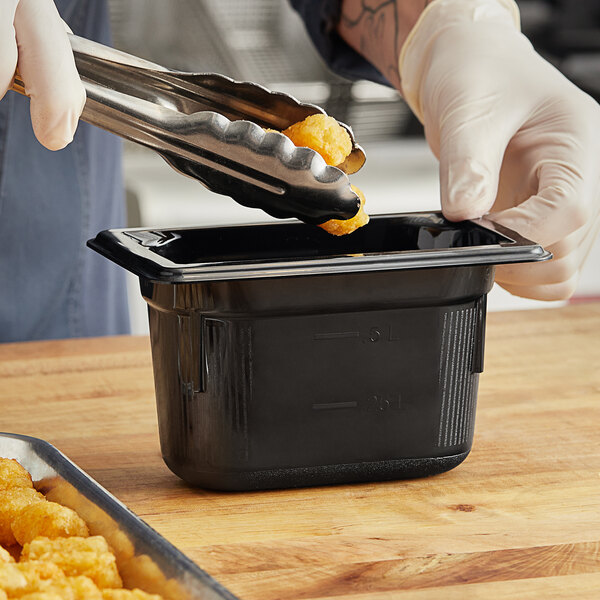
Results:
212 128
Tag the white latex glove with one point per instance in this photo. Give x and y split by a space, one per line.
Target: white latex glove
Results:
514 137
33 38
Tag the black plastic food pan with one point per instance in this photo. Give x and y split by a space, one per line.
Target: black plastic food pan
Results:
284 356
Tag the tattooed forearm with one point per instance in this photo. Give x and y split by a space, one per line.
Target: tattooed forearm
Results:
377 29
374 25
367 10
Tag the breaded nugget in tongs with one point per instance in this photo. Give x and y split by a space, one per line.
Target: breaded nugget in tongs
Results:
345 226
325 135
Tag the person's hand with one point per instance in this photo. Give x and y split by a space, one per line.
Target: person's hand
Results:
33 38
514 137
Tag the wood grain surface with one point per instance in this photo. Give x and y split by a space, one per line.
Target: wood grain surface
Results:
520 518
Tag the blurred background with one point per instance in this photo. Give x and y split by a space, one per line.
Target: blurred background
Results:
264 41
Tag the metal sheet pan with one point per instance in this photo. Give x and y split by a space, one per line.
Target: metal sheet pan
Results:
145 559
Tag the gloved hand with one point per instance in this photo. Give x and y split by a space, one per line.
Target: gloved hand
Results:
33 38
514 137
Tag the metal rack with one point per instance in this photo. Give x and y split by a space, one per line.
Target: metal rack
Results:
255 40
264 41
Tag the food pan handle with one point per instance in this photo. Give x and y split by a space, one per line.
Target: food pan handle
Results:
190 354
480 321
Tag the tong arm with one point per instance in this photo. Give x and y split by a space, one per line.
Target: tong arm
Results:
197 122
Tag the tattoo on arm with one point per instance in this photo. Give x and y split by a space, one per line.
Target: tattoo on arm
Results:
378 28
370 22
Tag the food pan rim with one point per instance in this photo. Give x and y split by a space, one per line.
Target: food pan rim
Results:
117 245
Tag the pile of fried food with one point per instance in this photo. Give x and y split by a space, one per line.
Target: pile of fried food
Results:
46 551
325 135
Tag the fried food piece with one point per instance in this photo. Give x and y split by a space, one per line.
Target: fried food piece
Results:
345 226
40 570
17 579
5 556
13 475
89 556
12 502
134 594
11 579
327 137
14 551
49 595
66 588
47 519
324 135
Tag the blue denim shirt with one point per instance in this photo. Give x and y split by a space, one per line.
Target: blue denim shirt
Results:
51 203
320 18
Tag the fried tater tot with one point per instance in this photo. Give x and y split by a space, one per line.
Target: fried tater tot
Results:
324 135
5 555
134 594
14 551
47 519
13 475
17 579
346 226
12 502
42 596
67 588
89 556
327 137
11 579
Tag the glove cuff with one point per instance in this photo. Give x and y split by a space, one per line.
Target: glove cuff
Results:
438 16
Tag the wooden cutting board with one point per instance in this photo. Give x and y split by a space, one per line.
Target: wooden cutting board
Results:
519 519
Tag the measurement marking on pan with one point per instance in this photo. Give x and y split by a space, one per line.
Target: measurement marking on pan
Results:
336 335
334 405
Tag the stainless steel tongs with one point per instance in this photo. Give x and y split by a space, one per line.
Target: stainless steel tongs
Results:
210 127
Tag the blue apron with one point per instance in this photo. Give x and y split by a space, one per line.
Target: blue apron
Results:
51 203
